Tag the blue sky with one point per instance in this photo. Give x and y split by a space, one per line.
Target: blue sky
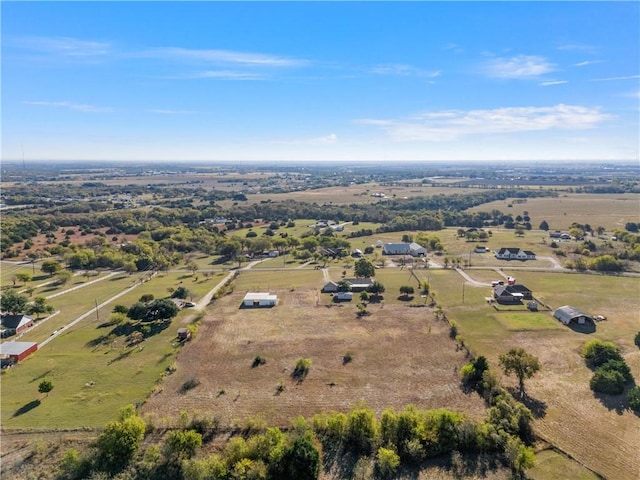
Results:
348 81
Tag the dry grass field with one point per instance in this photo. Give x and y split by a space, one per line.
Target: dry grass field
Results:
608 210
598 432
400 356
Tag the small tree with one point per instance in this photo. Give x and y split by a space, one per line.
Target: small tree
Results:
45 386
13 302
51 267
182 445
636 340
24 277
406 290
634 399
521 363
388 461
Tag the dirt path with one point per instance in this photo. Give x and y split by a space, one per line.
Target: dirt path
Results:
470 280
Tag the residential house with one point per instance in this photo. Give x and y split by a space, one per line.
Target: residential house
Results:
413 249
512 294
514 254
15 324
356 284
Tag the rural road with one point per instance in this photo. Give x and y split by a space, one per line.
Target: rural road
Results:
470 280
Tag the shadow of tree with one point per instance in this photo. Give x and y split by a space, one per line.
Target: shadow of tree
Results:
619 403
27 407
538 407
41 376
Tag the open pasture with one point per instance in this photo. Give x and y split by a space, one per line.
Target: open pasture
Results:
598 432
89 370
611 211
399 355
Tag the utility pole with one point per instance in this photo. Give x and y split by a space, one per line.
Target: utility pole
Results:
97 313
463 292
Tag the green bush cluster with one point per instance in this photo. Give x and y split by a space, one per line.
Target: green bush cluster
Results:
611 371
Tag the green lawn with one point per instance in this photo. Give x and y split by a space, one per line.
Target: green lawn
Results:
551 464
516 321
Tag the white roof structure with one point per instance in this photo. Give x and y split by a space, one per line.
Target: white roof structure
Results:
255 296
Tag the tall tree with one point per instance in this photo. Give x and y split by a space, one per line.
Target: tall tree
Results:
12 302
364 268
521 363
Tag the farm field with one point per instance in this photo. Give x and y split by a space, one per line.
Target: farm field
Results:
608 210
90 372
595 431
400 355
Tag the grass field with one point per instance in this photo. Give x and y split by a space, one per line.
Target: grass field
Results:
598 432
405 341
608 210
89 375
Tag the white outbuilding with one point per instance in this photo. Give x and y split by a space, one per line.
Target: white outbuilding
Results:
260 299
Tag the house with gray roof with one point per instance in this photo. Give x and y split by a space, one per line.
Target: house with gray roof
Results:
567 314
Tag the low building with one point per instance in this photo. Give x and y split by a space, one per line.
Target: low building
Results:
15 352
506 253
344 296
15 324
260 299
413 249
567 314
355 284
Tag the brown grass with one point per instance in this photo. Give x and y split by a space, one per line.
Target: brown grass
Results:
401 356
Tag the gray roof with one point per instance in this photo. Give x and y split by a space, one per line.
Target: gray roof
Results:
15 348
567 313
15 321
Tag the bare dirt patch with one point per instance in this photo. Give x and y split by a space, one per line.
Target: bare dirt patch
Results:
400 356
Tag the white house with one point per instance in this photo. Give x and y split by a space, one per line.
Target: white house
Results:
413 249
259 299
515 254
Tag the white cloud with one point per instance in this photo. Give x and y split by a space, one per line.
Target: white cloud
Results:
64 46
520 66
608 79
585 63
576 47
553 82
452 124
403 71
72 106
222 57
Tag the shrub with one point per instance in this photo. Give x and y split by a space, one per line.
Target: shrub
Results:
634 399
636 340
597 352
388 461
258 361
301 370
347 358
619 366
607 381
189 384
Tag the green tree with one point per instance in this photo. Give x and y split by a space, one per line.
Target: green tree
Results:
362 429
162 309
118 442
51 267
376 288
544 225
364 268
519 456
521 363
137 311
45 386
596 353
13 302
388 461
146 298
301 459
120 309
406 290
636 339
39 307
182 444
24 277
634 399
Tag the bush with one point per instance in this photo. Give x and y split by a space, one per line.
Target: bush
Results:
388 461
258 361
636 340
634 399
607 381
597 352
301 370
189 384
